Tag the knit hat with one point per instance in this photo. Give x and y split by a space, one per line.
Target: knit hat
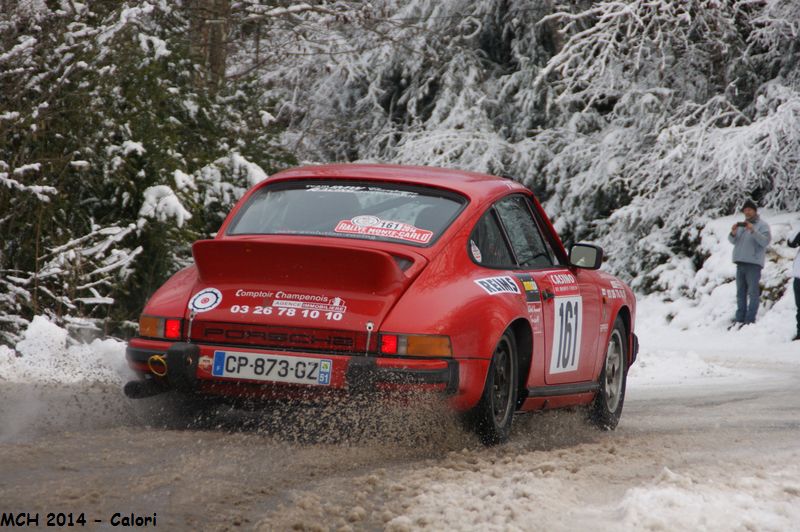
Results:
749 204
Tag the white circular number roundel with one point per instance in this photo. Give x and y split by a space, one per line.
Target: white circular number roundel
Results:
366 220
205 300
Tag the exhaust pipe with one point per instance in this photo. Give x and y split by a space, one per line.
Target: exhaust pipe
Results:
178 366
142 389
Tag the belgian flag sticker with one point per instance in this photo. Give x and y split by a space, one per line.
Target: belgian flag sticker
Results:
530 287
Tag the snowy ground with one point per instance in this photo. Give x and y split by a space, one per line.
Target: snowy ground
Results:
694 369
709 440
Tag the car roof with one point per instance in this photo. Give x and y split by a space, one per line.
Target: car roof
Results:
471 184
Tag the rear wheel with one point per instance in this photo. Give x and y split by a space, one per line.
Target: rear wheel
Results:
606 408
491 418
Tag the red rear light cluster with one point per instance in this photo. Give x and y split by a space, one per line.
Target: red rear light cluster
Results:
155 327
426 345
389 344
172 329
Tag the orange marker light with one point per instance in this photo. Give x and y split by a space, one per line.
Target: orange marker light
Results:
150 327
424 345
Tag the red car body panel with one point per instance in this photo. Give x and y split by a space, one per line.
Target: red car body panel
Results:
315 296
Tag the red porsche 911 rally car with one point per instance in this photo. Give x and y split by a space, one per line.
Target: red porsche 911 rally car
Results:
344 279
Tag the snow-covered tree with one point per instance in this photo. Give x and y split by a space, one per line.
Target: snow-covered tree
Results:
127 129
113 159
634 120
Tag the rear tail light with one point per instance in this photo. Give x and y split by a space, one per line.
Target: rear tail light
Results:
416 345
155 327
389 344
172 329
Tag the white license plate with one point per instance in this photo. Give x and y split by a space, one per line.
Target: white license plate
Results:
273 368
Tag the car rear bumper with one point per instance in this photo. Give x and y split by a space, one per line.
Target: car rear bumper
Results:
188 367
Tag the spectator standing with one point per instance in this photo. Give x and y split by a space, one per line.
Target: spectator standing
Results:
750 239
793 243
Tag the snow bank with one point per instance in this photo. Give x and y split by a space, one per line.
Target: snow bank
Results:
683 331
708 355
706 298
45 356
673 501
487 497
519 495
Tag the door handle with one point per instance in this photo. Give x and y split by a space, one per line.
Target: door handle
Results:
547 294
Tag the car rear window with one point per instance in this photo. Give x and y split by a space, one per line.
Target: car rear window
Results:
373 211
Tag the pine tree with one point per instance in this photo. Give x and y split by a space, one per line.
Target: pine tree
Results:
114 160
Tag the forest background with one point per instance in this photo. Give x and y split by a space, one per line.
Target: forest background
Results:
129 129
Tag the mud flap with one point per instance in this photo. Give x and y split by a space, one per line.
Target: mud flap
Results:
182 361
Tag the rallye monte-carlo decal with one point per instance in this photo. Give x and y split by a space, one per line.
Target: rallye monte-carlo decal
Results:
374 226
383 191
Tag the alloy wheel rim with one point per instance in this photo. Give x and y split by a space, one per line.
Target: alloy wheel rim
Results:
612 383
501 391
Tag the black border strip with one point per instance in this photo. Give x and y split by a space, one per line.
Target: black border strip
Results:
564 389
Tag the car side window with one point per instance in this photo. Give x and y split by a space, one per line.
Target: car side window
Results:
487 245
526 240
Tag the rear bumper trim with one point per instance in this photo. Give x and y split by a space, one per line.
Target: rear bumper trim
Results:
362 374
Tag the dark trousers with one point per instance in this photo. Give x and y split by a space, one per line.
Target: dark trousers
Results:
747 291
797 301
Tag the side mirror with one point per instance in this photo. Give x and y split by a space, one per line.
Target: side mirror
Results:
586 256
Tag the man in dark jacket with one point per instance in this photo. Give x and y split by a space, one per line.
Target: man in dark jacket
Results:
750 239
793 243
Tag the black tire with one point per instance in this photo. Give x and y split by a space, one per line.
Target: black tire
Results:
606 408
492 417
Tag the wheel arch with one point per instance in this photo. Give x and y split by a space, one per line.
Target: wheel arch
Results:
625 314
523 336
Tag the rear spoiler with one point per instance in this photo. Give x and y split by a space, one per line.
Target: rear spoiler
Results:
276 263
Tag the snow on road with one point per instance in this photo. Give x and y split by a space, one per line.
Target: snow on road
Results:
744 481
709 438
661 470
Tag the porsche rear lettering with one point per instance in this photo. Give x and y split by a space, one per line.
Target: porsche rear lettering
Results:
280 338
